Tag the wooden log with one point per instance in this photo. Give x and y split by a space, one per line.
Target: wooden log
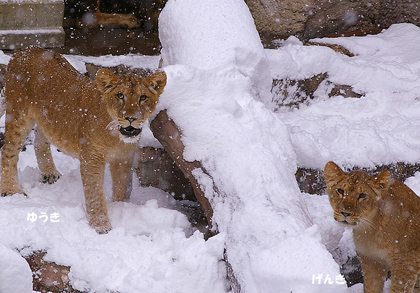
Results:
156 168
168 134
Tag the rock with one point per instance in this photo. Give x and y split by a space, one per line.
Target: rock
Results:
311 180
2 75
398 11
336 48
352 271
280 17
291 93
49 276
118 70
335 17
311 18
344 91
320 18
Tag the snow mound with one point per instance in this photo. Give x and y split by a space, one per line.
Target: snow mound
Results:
213 34
271 242
15 274
379 128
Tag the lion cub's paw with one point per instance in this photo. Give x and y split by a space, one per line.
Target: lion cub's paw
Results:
101 225
10 193
11 189
50 178
103 229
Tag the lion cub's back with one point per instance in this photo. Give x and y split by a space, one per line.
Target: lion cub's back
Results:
40 75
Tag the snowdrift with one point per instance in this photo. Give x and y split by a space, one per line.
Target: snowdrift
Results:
243 145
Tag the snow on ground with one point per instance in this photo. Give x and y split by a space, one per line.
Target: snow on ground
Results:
386 69
277 239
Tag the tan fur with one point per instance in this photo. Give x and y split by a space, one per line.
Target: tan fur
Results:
97 122
95 19
385 216
112 20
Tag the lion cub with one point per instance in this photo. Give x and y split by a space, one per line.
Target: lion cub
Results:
97 122
385 216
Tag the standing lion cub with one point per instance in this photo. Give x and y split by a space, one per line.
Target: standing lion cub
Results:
97 122
385 216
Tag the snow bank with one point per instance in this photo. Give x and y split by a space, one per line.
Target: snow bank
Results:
130 60
211 35
30 1
15 274
4 59
271 242
379 128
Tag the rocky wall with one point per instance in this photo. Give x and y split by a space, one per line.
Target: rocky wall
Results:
318 18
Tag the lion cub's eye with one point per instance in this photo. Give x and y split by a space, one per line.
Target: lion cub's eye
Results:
363 195
143 98
340 191
120 96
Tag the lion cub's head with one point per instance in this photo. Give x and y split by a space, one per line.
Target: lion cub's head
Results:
355 196
130 100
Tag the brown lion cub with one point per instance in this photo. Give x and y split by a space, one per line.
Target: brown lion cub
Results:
97 122
385 216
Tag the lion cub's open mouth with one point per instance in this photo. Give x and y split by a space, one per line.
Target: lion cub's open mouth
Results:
129 131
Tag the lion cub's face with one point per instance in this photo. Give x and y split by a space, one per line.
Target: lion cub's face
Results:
354 196
130 100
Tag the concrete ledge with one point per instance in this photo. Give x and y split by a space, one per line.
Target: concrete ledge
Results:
24 23
17 39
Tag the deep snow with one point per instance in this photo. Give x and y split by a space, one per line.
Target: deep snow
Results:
277 239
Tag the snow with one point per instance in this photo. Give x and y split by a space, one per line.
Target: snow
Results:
31 31
385 70
277 239
27 1
131 60
15 274
225 128
226 39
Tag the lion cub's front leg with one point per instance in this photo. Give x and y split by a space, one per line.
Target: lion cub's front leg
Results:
121 172
374 274
92 168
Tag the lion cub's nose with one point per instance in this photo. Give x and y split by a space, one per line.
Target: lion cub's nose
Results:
131 119
346 214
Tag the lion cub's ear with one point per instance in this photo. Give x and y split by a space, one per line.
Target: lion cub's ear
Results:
156 81
106 79
381 181
332 173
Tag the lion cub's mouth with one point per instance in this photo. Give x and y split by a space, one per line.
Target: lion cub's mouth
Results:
348 223
129 131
